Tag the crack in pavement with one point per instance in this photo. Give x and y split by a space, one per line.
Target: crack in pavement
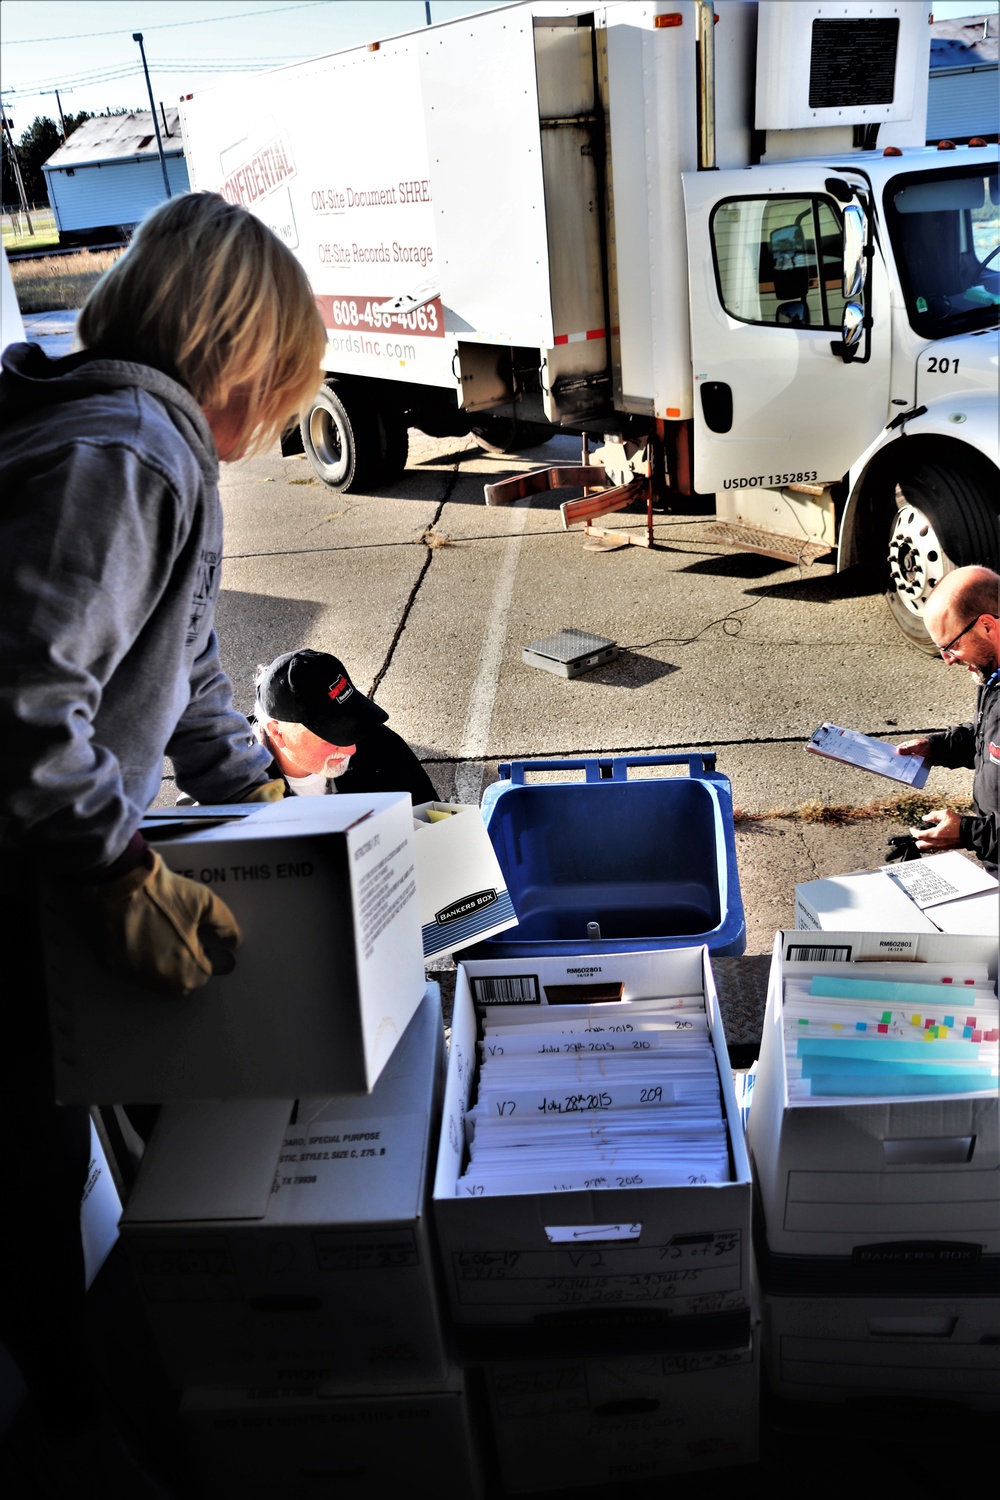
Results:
415 590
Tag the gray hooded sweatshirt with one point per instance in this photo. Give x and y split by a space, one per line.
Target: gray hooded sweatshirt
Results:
110 553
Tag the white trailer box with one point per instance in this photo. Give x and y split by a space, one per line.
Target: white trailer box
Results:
329 973
931 1350
570 1423
550 1259
309 1270
863 1180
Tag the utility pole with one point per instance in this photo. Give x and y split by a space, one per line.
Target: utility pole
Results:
9 139
62 117
137 37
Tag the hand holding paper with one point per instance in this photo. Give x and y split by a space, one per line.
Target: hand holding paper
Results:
869 754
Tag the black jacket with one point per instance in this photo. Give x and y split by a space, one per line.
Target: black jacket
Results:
383 762
978 745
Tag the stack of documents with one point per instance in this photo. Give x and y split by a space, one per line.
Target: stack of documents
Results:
868 754
588 1097
874 1036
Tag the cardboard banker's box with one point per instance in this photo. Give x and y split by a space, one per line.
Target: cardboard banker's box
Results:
940 893
329 973
262 1445
560 1423
859 1178
557 1257
901 1349
297 1255
463 895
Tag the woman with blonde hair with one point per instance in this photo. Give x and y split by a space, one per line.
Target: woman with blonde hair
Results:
200 344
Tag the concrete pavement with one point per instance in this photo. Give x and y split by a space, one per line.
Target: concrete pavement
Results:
429 597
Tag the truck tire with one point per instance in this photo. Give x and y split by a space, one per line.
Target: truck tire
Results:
394 446
342 440
943 519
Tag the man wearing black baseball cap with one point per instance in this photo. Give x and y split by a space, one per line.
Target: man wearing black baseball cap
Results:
326 736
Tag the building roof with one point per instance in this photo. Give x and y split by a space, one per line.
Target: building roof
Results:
965 42
118 138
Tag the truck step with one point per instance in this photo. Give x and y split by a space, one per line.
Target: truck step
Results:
779 544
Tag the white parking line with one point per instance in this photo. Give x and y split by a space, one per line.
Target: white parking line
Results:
479 715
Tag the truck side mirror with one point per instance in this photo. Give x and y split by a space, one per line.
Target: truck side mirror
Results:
854 251
851 331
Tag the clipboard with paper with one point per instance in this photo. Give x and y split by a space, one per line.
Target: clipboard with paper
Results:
868 754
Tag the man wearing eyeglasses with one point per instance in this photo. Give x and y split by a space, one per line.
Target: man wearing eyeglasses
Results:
962 619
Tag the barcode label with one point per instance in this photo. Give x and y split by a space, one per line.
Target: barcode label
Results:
813 955
511 989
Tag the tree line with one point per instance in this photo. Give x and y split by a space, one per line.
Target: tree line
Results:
40 141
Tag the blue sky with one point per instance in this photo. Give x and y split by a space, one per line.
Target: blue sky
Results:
87 51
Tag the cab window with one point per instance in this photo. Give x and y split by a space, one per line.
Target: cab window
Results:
779 261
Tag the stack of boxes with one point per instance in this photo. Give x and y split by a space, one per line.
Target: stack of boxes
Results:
877 1220
325 1341
281 1238
288 1275
613 1329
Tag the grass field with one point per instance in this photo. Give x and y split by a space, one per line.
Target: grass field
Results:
15 230
58 282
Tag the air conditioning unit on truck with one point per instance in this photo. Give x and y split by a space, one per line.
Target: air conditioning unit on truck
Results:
709 236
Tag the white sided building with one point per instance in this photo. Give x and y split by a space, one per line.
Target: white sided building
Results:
107 175
963 99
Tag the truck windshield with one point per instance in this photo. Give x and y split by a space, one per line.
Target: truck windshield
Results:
944 229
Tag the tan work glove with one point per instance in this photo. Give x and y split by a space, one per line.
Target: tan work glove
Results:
148 926
271 791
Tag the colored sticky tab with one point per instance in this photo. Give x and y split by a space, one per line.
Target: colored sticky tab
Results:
951 1082
949 1020
883 1029
966 1030
888 1050
861 1025
887 1016
916 1020
970 1020
977 1036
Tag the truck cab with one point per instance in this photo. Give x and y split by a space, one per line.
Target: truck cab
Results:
916 394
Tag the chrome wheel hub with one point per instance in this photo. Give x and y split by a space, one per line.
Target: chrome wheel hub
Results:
916 559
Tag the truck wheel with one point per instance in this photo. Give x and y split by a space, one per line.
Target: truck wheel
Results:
394 447
943 520
341 439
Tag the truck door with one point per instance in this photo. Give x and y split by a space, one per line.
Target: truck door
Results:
774 403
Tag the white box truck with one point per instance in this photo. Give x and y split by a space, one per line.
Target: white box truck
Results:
709 236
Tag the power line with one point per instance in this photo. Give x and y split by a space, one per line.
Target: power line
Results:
127 70
168 25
